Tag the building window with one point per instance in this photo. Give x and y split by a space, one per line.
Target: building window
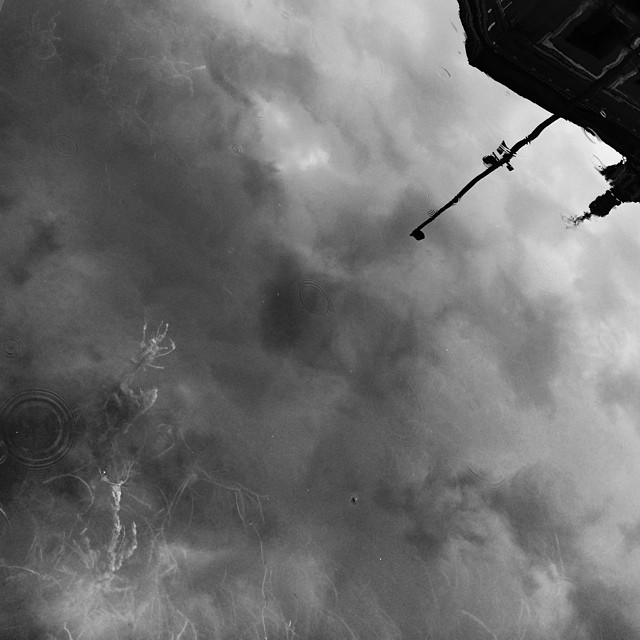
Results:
599 35
631 90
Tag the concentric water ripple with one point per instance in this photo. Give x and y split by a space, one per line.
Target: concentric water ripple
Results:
314 299
12 347
38 427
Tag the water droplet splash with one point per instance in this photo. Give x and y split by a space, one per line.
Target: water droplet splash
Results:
65 145
314 299
12 347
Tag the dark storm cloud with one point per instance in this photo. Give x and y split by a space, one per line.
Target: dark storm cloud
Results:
618 388
534 503
531 360
240 64
359 240
601 611
443 509
631 535
283 316
526 334
41 242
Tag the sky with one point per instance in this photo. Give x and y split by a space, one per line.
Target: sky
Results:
357 435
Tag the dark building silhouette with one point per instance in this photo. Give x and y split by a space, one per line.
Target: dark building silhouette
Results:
551 52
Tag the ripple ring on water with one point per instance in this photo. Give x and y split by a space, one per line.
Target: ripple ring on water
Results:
65 145
12 348
314 299
38 427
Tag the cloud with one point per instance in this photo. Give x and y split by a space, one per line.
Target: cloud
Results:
601 610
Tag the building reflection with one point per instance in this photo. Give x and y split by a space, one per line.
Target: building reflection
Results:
553 53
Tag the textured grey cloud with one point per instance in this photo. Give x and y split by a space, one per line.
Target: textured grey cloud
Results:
534 502
601 611
618 389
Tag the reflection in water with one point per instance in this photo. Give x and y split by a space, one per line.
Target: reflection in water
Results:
314 298
312 450
590 135
12 347
38 427
65 145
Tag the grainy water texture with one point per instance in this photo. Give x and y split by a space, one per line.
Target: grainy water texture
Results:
238 401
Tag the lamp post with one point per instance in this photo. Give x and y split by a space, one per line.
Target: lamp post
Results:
624 66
